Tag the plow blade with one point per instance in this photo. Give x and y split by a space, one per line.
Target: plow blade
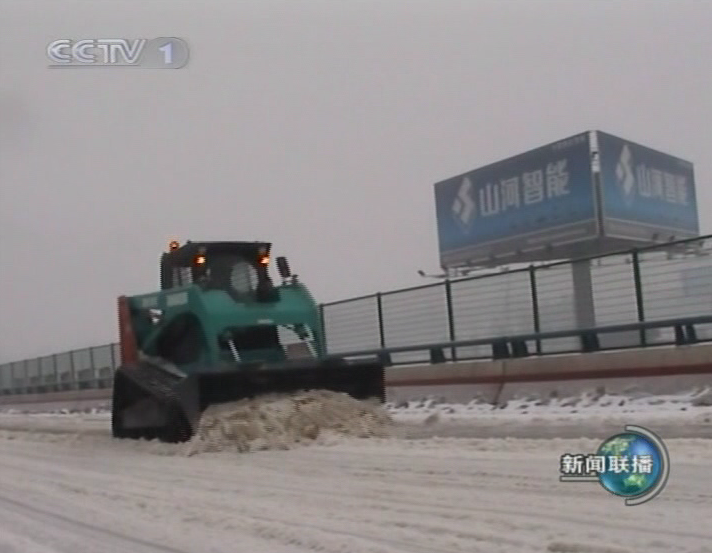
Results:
150 403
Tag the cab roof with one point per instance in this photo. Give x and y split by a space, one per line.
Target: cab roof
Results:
186 252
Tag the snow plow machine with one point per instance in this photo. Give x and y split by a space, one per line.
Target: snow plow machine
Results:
217 331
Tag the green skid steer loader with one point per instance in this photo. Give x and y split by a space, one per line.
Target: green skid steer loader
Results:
219 330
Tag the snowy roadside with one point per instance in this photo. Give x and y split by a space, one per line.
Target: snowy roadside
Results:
680 407
592 402
594 414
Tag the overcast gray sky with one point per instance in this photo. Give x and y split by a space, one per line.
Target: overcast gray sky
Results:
320 126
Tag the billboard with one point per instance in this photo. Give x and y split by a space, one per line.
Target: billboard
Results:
525 204
646 195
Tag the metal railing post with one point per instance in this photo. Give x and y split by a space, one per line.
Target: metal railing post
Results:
322 329
15 388
113 356
93 367
381 329
450 318
73 384
639 295
535 306
55 367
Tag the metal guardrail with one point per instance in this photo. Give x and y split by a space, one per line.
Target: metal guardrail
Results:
463 318
519 346
72 370
656 283
500 347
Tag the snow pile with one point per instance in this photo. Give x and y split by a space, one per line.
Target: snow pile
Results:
35 410
286 421
597 402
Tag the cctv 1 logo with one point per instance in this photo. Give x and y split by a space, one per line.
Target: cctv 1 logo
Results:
157 53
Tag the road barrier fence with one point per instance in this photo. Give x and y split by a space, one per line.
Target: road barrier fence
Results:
656 295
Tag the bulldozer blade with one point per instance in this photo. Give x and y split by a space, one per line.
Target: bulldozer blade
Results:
361 380
171 411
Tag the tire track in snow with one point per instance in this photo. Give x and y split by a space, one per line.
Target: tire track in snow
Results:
81 535
363 497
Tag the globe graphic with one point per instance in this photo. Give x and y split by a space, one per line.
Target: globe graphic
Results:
632 481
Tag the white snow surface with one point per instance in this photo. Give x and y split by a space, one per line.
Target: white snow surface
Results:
67 486
592 401
582 407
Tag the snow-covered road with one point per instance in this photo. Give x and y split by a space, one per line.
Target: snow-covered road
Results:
66 486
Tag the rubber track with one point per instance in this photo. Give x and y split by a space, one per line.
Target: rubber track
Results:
152 379
159 384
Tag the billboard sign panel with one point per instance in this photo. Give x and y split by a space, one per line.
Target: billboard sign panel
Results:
523 204
646 195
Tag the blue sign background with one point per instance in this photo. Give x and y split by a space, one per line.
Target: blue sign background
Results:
551 214
651 201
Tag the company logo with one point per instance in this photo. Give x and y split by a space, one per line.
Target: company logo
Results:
464 207
159 53
625 174
634 464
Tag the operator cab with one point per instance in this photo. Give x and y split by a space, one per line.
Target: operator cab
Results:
239 268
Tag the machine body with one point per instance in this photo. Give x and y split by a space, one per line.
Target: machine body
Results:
220 330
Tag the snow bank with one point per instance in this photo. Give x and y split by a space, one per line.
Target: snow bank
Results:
593 403
279 422
63 411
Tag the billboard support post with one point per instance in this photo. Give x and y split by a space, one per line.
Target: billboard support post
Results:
639 295
535 305
584 306
450 318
